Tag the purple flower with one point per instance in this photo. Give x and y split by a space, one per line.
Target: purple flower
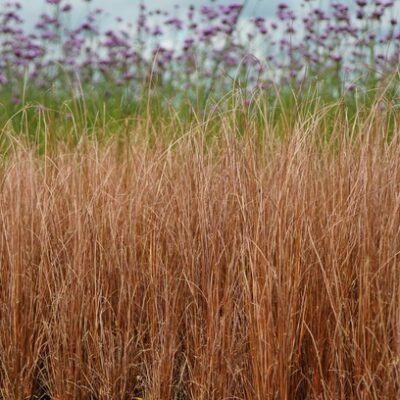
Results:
87 26
350 87
209 32
128 77
378 14
157 31
230 60
336 57
13 31
188 43
235 7
259 21
46 20
176 22
3 79
290 30
320 14
66 8
210 12
105 62
12 16
49 35
285 14
225 10
15 99
114 41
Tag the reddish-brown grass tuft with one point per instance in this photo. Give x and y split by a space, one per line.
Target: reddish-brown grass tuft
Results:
232 268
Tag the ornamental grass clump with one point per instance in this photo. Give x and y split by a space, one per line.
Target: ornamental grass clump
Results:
247 264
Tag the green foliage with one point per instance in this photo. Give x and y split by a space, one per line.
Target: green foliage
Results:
94 113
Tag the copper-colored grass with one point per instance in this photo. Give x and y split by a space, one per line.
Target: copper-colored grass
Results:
236 268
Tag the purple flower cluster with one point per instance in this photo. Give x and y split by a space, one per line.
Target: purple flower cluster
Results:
209 45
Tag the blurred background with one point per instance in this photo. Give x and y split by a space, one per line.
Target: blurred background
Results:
128 9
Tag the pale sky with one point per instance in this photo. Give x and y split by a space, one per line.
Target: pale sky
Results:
128 8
